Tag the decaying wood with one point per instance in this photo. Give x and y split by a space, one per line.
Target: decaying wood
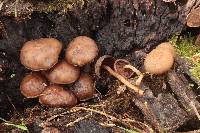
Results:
184 67
197 42
181 88
163 112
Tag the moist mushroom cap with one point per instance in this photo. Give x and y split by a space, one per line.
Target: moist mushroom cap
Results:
158 61
81 50
63 73
167 46
56 96
84 88
40 54
193 19
33 85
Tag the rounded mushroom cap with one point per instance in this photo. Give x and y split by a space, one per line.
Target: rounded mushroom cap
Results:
33 85
158 61
55 96
84 88
81 50
167 46
63 73
193 19
40 54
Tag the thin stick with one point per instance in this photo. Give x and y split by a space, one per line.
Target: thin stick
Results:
123 80
77 120
96 111
192 105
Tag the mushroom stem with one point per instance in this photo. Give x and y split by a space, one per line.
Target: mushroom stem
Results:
139 80
124 81
133 69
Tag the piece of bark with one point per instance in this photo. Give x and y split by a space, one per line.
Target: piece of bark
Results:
180 87
162 112
184 67
197 41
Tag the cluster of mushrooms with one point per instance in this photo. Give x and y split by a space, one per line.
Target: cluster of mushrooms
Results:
50 75
58 82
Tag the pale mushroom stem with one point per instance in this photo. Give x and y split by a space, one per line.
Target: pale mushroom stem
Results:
139 80
124 81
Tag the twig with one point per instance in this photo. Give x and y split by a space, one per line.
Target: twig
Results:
195 109
77 120
112 117
123 80
96 111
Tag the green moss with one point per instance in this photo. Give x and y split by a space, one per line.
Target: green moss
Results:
59 5
185 47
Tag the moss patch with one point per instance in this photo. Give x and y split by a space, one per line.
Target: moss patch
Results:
185 47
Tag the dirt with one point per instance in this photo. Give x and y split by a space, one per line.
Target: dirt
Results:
123 29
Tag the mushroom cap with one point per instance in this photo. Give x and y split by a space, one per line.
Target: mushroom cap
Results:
84 88
158 61
81 50
40 54
119 68
56 96
193 19
63 73
167 46
33 85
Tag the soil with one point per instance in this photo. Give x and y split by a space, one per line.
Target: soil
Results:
122 28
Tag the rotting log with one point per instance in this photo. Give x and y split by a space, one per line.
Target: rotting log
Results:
119 27
181 88
162 112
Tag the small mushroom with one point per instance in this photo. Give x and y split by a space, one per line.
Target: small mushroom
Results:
159 61
81 50
193 19
103 62
56 96
63 73
119 68
40 54
84 88
33 85
167 46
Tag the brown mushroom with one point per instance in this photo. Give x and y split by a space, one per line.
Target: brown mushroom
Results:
84 88
33 85
193 19
158 61
105 62
40 54
167 46
81 50
63 73
119 68
56 96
